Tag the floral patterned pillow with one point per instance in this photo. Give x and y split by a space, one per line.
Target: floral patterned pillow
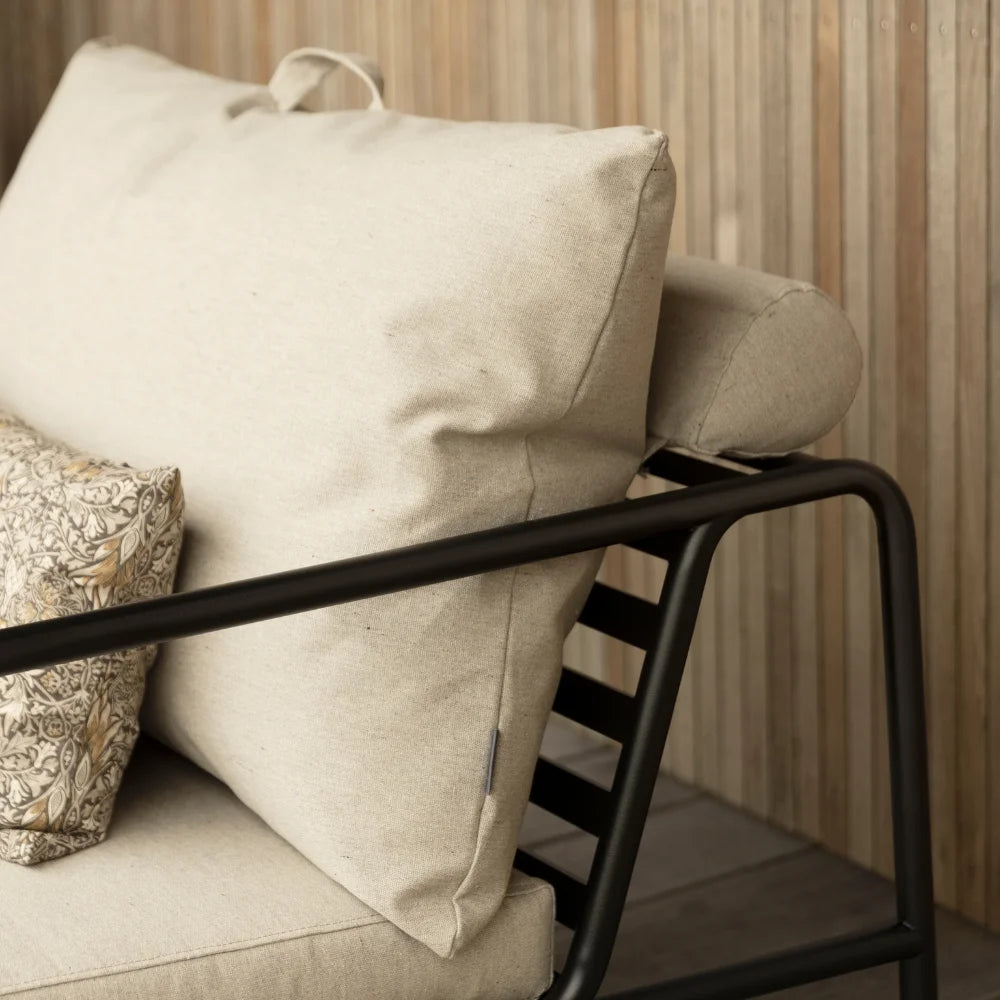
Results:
76 533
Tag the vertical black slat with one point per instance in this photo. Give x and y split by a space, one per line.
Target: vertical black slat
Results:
686 470
595 705
618 614
570 797
570 893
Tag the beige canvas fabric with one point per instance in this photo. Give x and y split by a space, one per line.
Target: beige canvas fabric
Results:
352 331
192 895
747 363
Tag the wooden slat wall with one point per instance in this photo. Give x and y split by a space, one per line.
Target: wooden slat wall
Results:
854 143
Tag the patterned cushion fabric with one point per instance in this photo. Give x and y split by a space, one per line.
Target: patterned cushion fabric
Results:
380 329
76 533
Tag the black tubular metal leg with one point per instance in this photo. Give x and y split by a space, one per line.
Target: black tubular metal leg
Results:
911 942
907 740
638 766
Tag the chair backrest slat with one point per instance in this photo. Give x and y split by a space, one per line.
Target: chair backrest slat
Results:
572 798
665 547
621 615
637 723
686 470
594 704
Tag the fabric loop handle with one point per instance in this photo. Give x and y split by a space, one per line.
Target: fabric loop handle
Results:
302 71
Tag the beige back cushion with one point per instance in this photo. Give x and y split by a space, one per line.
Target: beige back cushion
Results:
351 331
747 363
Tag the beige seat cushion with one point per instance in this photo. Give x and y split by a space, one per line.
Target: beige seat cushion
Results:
193 896
371 329
747 363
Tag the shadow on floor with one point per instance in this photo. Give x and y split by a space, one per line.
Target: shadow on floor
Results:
713 885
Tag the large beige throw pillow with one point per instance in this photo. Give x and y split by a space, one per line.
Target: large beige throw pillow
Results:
374 329
76 534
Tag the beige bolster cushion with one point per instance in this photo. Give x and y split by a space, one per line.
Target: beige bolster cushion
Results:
747 363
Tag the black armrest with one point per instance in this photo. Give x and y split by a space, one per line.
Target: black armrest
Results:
75 636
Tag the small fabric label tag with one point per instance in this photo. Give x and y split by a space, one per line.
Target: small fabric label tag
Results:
493 756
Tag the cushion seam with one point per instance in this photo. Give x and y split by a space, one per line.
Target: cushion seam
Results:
243 944
499 705
311 930
660 148
752 322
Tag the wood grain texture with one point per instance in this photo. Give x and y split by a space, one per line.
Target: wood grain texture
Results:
942 567
852 143
971 481
993 497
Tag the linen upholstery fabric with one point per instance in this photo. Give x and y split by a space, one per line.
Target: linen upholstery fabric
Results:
374 330
76 534
747 363
193 895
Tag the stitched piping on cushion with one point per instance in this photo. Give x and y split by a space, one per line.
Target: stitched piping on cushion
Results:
660 148
496 723
729 364
311 930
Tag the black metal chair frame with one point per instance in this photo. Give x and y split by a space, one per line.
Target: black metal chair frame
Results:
683 526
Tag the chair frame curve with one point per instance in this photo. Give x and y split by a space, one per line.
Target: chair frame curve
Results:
684 526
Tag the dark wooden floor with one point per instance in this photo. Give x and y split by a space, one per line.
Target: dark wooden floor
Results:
713 885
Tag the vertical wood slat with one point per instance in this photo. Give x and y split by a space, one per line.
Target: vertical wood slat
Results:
993 496
856 269
626 42
537 39
971 241
940 627
584 62
850 142
561 61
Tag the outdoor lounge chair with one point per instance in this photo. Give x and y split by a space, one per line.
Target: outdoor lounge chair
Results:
195 893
